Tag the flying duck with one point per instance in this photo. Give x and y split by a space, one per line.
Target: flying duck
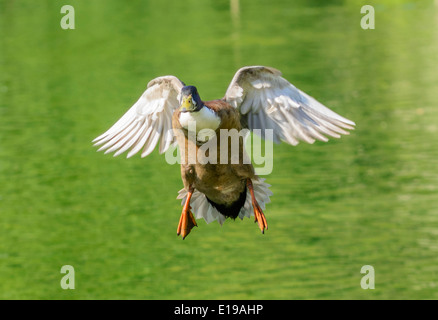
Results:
258 97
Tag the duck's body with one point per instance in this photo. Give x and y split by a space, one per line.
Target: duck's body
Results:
224 185
216 186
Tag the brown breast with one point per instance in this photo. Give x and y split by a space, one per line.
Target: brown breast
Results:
222 183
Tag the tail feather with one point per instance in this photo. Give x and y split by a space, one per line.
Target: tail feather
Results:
203 208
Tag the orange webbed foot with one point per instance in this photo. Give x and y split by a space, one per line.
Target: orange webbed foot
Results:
258 212
187 220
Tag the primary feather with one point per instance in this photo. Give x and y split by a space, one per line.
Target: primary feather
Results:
268 101
146 122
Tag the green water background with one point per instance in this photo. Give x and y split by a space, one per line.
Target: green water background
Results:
367 199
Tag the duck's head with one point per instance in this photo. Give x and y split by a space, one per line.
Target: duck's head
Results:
190 100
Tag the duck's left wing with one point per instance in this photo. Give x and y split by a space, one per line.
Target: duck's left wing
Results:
146 122
268 101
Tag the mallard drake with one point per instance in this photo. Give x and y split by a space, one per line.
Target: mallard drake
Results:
258 97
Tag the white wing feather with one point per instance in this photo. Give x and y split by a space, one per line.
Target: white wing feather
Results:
268 101
146 122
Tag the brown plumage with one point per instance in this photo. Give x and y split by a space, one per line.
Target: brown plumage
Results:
222 184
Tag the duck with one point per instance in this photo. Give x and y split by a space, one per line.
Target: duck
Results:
170 114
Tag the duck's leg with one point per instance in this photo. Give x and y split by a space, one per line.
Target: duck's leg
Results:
187 220
258 213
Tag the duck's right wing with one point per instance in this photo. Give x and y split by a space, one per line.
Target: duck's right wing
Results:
146 122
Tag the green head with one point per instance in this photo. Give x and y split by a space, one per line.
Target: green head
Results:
190 100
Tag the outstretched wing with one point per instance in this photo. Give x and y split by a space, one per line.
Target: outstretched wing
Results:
146 122
268 101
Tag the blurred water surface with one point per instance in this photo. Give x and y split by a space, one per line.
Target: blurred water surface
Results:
367 199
